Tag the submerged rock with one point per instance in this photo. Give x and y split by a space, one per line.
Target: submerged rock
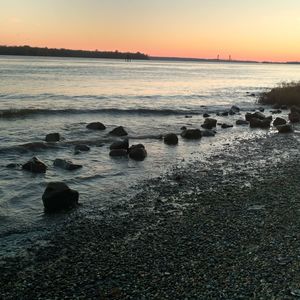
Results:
81 147
224 126
206 115
66 164
294 117
118 131
208 133
137 152
124 144
171 139
14 166
279 121
96 126
285 128
118 152
58 196
235 109
241 122
52 137
191 134
35 165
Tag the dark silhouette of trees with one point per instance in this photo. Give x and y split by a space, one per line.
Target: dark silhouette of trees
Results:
36 51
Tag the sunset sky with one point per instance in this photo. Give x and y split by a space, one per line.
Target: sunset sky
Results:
246 29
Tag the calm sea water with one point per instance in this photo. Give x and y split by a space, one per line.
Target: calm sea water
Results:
43 95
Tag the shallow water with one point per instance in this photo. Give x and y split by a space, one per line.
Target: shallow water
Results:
149 98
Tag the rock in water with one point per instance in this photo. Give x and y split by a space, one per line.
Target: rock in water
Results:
118 152
294 117
260 123
279 121
208 133
81 147
137 152
241 122
235 109
120 145
35 165
58 196
118 131
257 115
285 128
96 126
209 123
171 139
52 137
66 164
191 134
224 126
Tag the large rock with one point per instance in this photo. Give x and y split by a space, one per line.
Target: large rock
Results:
58 196
35 165
257 115
171 139
66 164
118 152
137 152
260 123
285 128
124 144
241 122
209 123
52 137
191 134
118 131
294 117
279 121
96 126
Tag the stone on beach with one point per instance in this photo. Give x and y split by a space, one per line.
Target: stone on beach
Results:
35 165
96 126
58 196
285 128
66 164
137 152
52 137
279 121
191 134
118 131
171 139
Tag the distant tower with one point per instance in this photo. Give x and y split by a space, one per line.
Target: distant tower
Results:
229 58
218 57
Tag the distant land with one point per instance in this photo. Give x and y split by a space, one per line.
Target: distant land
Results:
36 51
54 52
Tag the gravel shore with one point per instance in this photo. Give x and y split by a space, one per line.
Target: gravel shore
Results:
227 228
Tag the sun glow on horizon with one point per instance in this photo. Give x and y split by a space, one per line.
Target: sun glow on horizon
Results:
256 30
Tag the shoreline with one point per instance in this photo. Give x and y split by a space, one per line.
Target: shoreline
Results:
217 229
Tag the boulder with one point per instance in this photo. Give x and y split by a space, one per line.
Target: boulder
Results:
58 196
96 126
171 139
208 133
66 164
209 123
118 152
260 123
241 122
224 126
285 128
35 165
81 147
257 115
118 131
191 134
294 117
124 144
52 137
137 152
279 121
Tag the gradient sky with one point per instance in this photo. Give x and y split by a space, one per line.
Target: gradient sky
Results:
256 29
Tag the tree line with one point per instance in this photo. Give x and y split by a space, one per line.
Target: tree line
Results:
36 51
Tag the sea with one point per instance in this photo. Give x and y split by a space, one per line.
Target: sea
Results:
41 95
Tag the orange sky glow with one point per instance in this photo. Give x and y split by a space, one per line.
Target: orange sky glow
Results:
246 30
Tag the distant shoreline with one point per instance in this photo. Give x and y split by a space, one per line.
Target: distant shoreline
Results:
53 52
